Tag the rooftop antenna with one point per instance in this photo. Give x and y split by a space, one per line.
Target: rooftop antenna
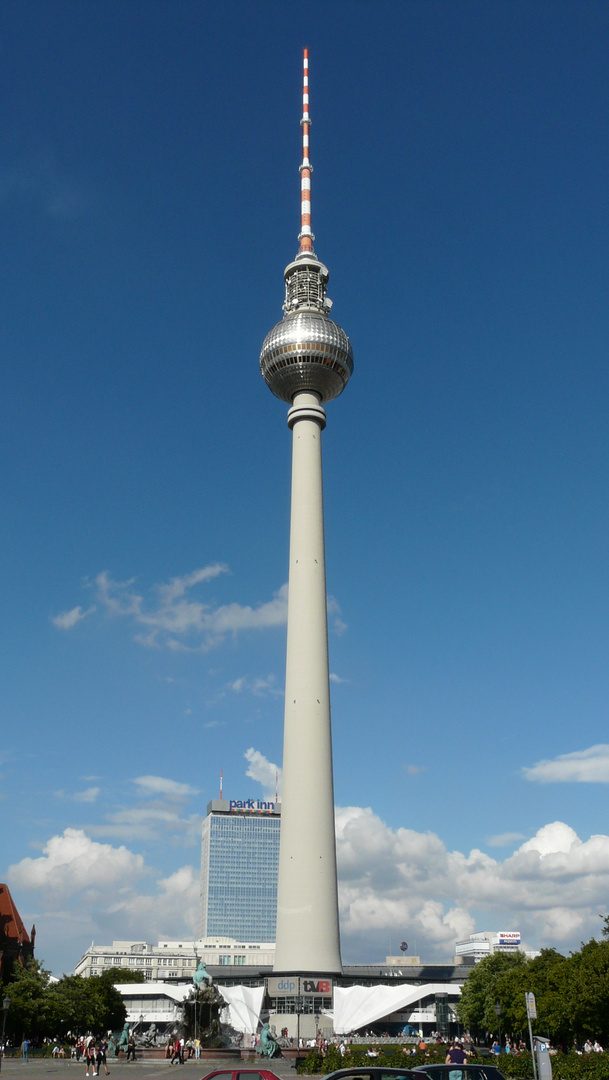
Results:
276 785
221 772
305 236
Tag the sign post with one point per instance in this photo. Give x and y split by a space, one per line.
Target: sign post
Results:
498 1014
531 1015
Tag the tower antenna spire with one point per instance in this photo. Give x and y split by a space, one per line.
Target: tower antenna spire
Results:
305 235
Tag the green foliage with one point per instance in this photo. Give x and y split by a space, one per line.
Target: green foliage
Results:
569 1066
121 975
590 995
27 990
77 1005
519 1066
356 1057
580 1066
40 1009
476 1008
572 994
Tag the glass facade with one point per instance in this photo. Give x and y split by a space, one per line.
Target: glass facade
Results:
239 861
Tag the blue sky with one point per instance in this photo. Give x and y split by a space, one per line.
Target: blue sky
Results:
149 199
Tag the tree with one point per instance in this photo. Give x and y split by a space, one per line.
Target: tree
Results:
589 997
115 975
547 977
476 1008
78 1005
27 1015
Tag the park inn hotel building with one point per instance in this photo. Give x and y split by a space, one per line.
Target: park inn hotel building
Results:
239 861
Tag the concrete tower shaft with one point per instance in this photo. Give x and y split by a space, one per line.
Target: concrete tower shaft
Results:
307 891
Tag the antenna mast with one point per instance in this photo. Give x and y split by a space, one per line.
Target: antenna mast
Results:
305 235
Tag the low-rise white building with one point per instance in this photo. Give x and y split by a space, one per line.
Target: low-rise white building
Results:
154 1003
488 942
173 959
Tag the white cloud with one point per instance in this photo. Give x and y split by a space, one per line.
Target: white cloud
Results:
335 621
178 586
414 770
552 839
394 884
258 687
150 823
159 818
115 596
174 618
582 766
264 772
172 911
162 785
337 679
552 888
89 795
73 863
81 890
67 619
506 839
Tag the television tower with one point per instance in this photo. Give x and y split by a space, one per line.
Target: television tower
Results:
306 360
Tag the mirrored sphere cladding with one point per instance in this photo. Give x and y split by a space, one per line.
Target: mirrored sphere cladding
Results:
306 351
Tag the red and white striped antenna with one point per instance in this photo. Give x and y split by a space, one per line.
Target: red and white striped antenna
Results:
221 778
305 236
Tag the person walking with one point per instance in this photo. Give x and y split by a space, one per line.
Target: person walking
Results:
102 1050
25 1045
456 1056
90 1057
131 1048
176 1050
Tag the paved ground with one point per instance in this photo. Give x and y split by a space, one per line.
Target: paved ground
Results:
39 1068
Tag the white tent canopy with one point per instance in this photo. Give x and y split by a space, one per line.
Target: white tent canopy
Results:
357 1006
243 1005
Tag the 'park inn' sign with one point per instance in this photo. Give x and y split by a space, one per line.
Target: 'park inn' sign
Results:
254 806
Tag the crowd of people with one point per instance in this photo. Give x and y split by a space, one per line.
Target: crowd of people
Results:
181 1050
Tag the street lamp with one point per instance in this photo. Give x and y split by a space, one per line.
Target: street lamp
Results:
6 1004
498 1012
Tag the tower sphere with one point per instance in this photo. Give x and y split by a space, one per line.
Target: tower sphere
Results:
306 351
